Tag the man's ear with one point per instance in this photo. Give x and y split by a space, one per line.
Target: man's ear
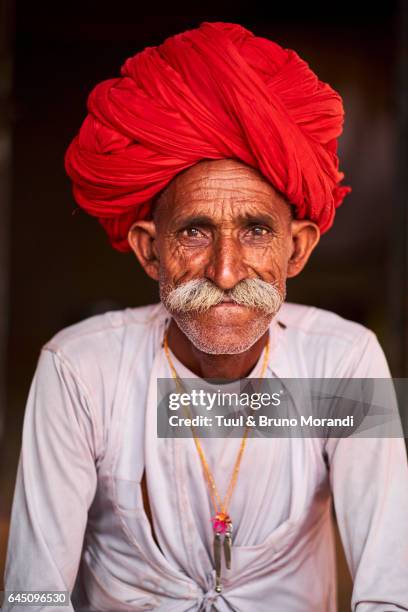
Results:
142 240
305 236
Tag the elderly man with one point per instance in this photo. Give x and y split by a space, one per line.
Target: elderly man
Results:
213 158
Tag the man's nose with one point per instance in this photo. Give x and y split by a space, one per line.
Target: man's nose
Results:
226 267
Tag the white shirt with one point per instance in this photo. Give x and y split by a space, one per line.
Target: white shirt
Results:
78 521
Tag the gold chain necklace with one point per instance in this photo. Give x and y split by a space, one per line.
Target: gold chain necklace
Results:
222 524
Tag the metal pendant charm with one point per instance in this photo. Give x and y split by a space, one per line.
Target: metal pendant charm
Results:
222 525
217 561
227 547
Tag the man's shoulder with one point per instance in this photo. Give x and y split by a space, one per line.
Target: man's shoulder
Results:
324 344
106 329
312 321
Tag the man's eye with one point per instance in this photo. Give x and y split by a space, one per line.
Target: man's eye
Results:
192 236
259 230
191 232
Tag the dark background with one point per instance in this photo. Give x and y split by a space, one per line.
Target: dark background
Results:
58 266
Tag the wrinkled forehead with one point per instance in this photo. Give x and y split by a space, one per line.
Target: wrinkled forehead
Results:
224 189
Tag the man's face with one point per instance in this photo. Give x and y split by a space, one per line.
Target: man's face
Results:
222 222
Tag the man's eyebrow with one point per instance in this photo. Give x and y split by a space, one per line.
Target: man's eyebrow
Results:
194 220
257 219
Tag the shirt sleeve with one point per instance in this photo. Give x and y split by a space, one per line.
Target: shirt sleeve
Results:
369 482
56 482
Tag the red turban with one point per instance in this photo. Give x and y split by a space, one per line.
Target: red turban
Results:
214 92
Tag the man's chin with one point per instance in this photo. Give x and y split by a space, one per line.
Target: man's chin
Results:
224 329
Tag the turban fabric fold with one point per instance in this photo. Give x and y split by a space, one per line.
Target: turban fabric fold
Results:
211 93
